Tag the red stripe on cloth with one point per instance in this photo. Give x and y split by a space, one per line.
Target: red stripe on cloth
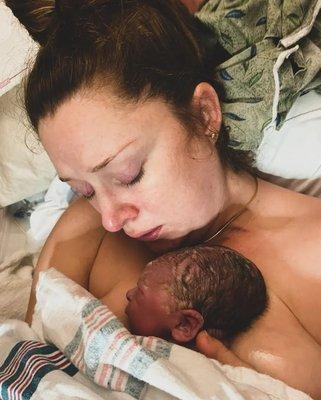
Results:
33 364
17 358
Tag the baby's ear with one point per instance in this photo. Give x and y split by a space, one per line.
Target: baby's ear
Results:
190 323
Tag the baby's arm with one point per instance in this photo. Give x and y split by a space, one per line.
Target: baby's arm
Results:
300 375
213 348
107 264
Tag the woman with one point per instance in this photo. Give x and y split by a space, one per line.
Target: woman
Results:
131 120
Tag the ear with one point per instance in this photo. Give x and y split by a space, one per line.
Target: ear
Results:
206 103
190 322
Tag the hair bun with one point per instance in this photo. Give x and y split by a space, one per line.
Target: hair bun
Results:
42 17
37 16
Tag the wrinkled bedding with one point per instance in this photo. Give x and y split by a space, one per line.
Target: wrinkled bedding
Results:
79 350
17 50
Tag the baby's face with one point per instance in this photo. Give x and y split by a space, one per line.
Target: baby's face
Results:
148 308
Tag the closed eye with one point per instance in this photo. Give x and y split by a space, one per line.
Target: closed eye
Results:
83 190
137 178
88 196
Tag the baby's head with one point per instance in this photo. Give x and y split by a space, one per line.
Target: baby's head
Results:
183 292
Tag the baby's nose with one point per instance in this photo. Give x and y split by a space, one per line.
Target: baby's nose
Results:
130 294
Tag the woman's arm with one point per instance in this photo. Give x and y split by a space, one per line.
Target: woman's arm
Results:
193 5
71 247
107 264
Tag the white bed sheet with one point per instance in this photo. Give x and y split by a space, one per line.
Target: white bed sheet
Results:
16 266
20 242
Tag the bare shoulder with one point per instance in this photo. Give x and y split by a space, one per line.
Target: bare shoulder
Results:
73 243
305 229
71 247
80 215
193 5
297 219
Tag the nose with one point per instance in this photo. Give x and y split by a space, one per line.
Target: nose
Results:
130 294
115 216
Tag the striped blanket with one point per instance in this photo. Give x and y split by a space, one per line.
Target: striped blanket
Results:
77 349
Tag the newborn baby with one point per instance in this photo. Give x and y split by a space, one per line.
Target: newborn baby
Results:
183 292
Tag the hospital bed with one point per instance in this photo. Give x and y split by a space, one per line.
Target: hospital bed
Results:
79 349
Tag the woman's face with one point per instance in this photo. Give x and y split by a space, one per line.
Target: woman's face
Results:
136 166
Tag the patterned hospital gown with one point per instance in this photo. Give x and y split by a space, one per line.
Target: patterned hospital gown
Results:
275 56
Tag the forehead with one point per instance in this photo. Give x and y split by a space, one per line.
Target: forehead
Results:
87 126
157 272
164 269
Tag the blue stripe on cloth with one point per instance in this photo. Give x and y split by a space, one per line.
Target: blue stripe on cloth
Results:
90 307
91 343
25 366
159 346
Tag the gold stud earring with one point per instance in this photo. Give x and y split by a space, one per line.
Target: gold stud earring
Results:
213 135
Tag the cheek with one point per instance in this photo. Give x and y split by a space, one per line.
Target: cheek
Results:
176 185
164 182
143 320
178 191
140 322
146 325
199 185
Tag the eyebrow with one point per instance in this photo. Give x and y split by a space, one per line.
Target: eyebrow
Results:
102 164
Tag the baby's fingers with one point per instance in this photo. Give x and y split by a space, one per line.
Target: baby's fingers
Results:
213 348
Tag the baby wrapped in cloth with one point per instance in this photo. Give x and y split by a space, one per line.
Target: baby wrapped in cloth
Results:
183 292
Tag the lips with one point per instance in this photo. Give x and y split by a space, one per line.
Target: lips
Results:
150 235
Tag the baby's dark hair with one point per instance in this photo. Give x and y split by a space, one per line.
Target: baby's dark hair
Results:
142 49
226 288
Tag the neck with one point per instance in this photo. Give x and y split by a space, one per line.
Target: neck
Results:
238 191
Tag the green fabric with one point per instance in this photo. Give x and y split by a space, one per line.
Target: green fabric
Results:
250 31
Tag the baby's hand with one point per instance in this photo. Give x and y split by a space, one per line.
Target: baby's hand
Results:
213 348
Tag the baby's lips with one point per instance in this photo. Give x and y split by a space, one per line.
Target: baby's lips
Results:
129 294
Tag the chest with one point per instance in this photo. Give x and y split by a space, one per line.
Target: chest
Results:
290 262
278 345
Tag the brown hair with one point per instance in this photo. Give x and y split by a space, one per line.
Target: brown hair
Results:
142 49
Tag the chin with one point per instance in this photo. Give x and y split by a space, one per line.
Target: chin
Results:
164 245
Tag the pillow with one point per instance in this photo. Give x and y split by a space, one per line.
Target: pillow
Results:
311 187
294 151
23 172
25 168
17 49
